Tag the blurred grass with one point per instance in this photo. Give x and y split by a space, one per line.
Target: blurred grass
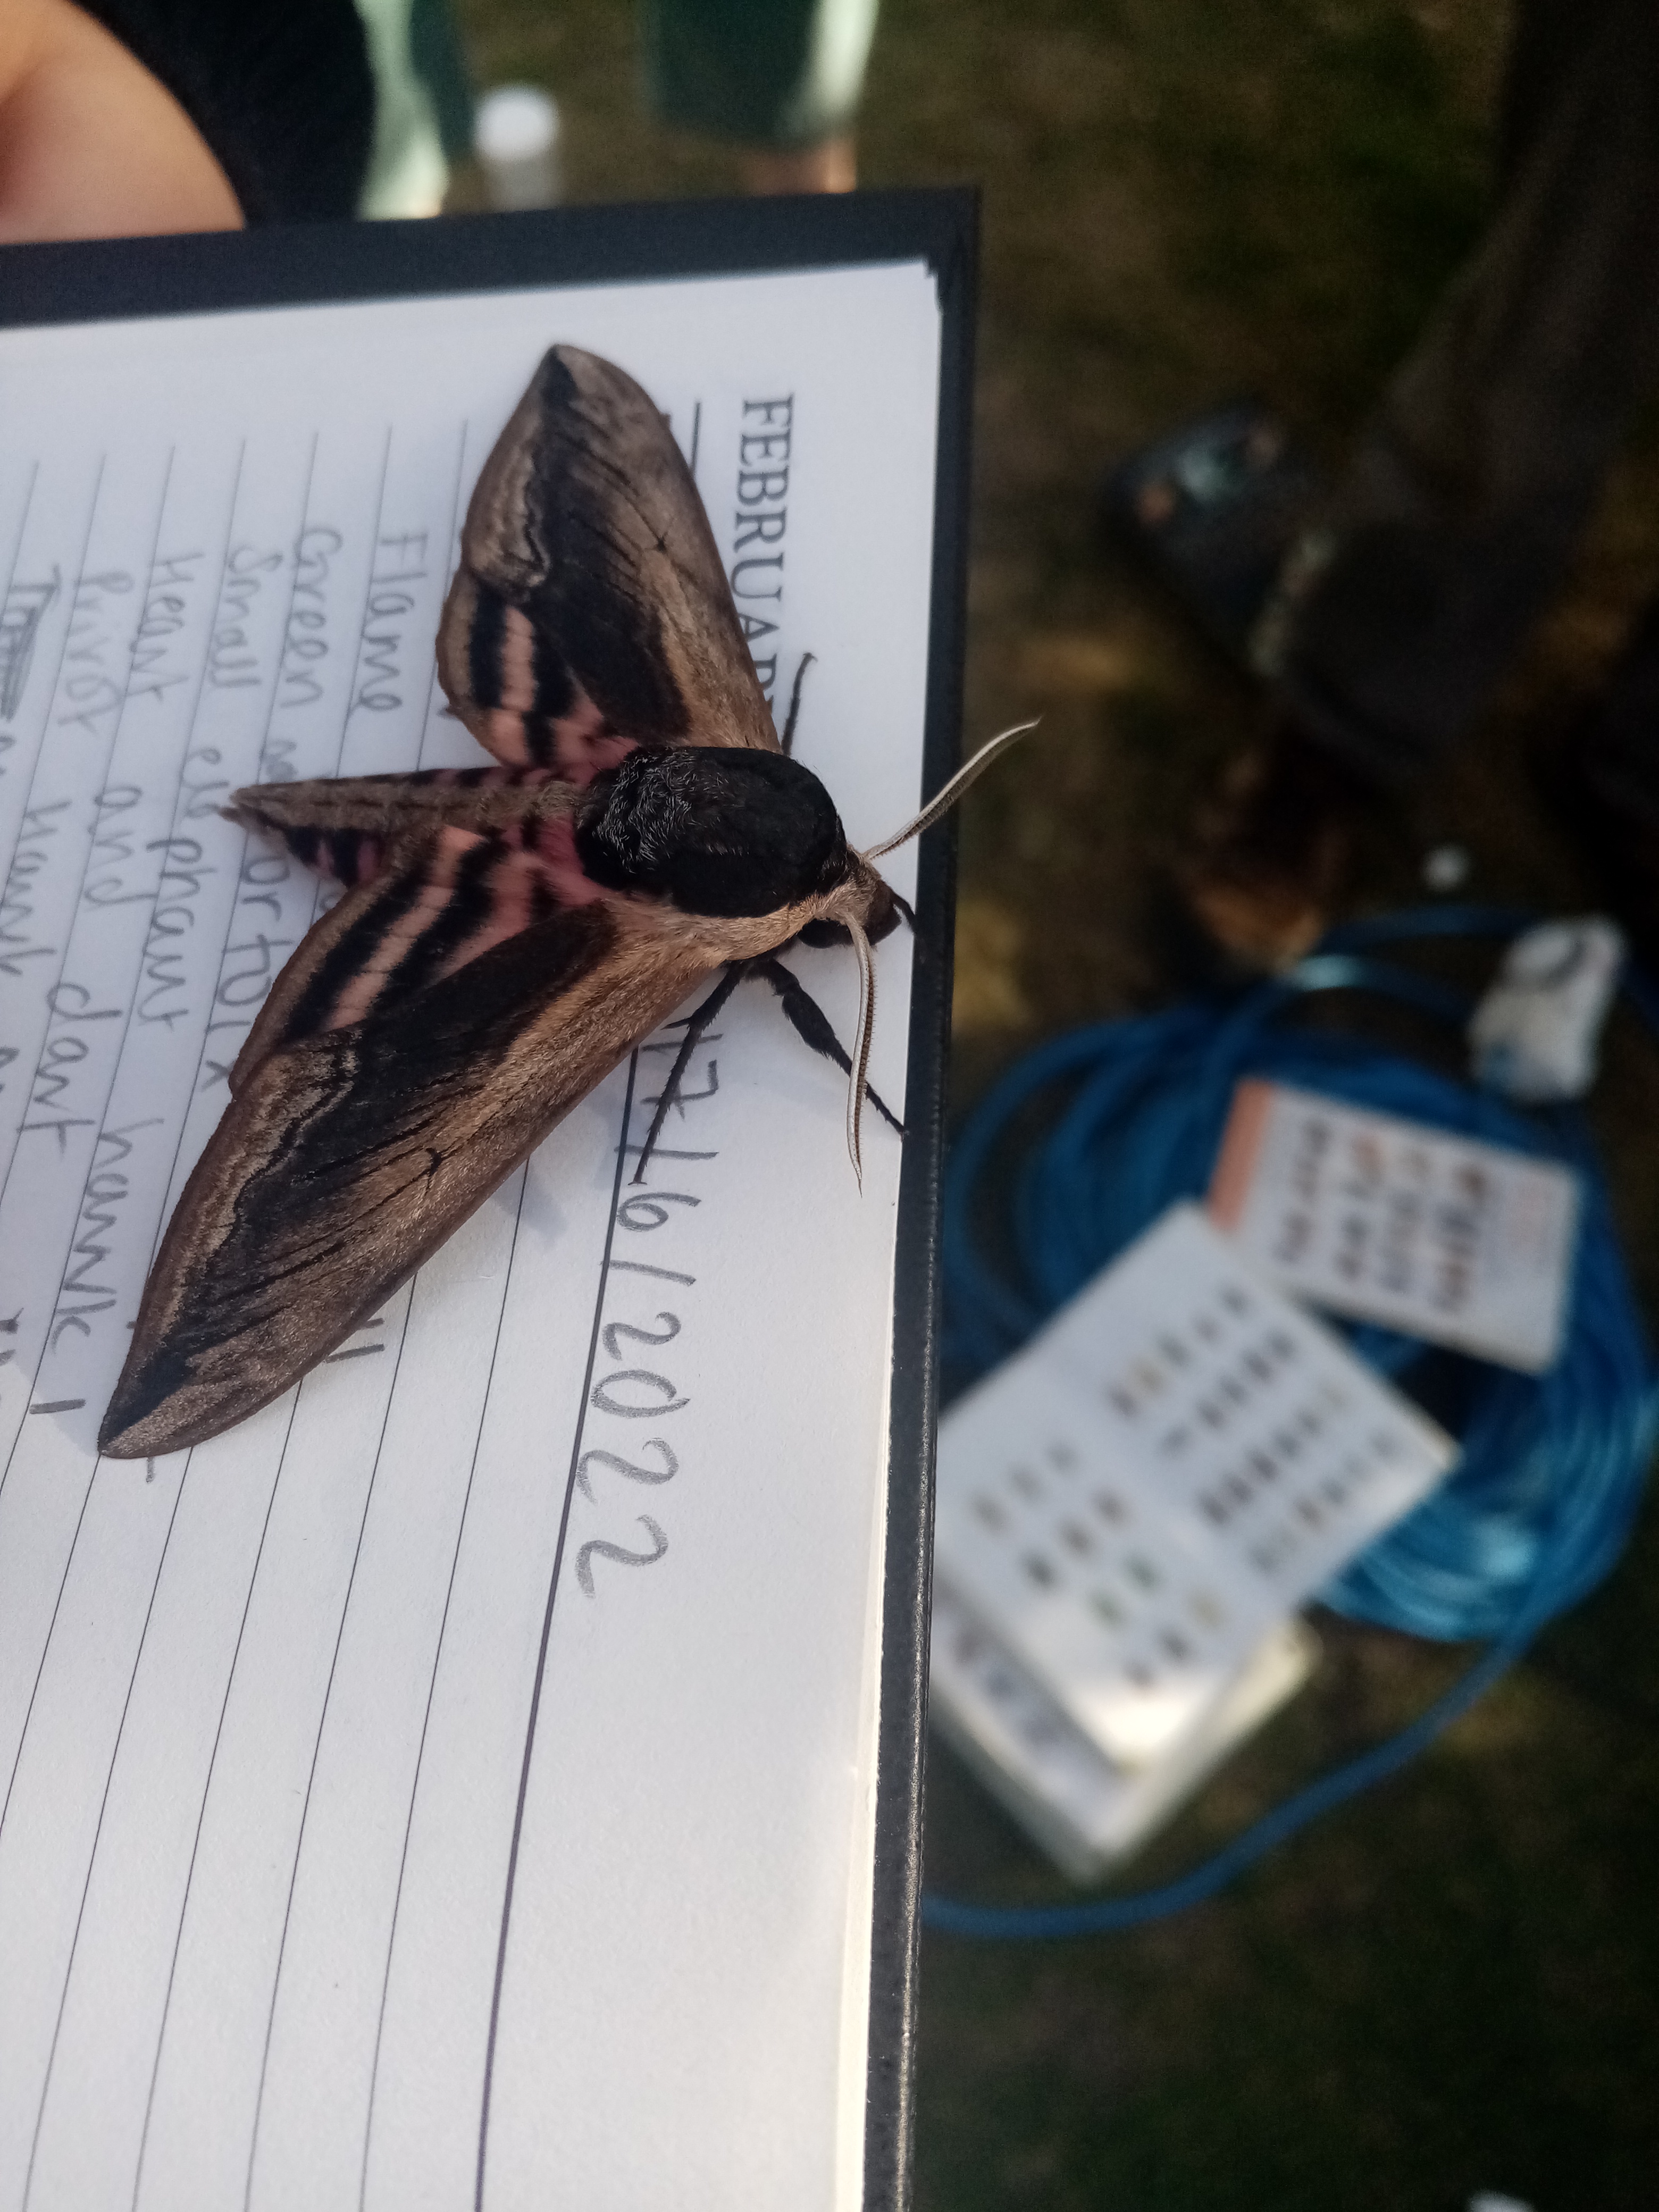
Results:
1455 1983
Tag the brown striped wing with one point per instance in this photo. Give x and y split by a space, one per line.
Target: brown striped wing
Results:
349 1155
346 827
591 612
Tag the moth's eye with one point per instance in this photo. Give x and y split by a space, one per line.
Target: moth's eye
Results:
720 830
885 907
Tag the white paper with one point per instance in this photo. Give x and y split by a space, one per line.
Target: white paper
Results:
1460 1243
264 1708
1173 1464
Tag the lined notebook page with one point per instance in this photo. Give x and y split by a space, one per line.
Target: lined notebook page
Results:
455 1786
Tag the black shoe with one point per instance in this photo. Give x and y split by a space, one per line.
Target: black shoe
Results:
1213 510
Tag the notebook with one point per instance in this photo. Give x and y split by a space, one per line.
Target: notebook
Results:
489 1777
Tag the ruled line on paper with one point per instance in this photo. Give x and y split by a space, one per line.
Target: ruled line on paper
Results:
241 858
25 812
319 885
71 942
317 1745
431 1691
92 1858
201 1813
100 797
541 1654
68 1405
109 754
11 574
101 1119
452 559
73 1405
58 672
40 1663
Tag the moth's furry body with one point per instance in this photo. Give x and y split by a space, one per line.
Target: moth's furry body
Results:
507 934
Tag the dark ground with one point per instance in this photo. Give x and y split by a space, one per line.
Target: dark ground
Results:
1455 1983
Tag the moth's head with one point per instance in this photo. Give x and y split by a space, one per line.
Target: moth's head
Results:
864 898
721 830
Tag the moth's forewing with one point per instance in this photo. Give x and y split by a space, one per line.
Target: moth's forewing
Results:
347 1157
591 609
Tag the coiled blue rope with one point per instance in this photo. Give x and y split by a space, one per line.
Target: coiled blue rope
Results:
1551 1475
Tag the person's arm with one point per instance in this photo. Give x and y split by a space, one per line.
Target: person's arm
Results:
91 144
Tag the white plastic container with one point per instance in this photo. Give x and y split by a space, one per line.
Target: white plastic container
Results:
516 137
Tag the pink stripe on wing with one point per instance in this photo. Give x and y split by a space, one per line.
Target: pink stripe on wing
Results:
366 986
518 669
513 883
503 734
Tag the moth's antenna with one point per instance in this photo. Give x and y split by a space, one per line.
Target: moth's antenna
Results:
929 814
967 774
860 1042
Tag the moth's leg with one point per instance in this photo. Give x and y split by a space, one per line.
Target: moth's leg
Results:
696 1023
787 741
811 1024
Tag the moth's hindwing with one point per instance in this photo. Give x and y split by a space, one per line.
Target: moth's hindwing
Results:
457 868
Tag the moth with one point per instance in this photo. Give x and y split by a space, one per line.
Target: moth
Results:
505 934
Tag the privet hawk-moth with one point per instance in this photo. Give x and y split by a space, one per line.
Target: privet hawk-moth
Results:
506 934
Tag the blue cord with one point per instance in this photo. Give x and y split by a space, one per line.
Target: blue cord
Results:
1105 1916
1551 1469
